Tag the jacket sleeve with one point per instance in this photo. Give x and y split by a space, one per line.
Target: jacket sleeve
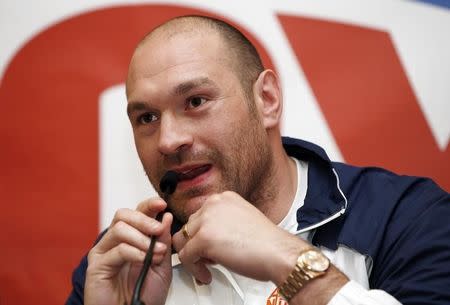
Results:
76 296
413 263
78 278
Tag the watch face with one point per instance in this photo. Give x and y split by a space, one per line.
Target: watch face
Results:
315 261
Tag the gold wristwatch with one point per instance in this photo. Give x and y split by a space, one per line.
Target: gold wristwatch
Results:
311 263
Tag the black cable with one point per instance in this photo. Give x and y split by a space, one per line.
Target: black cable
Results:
167 185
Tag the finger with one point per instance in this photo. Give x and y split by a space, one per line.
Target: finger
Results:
165 236
160 248
191 252
178 241
138 220
200 272
158 258
151 207
122 232
124 252
194 263
164 260
192 226
120 255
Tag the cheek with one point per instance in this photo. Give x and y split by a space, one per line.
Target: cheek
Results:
224 126
148 156
144 144
141 149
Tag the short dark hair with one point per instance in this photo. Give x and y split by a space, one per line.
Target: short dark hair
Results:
246 60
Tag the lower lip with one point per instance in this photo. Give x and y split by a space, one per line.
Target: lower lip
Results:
196 181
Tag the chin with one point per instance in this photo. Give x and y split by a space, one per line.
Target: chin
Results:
194 204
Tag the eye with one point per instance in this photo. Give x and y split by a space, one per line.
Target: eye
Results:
147 118
195 102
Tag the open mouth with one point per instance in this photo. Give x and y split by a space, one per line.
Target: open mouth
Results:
193 172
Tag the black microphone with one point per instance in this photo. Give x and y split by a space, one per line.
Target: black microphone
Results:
167 186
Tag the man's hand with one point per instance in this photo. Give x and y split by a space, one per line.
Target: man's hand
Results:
115 262
230 231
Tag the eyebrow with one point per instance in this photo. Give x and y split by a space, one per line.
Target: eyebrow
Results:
181 89
135 106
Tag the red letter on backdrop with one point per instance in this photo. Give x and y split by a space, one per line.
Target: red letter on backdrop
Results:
365 96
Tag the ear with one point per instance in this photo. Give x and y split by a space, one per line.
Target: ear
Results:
268 98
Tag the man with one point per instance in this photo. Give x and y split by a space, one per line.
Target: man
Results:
265 218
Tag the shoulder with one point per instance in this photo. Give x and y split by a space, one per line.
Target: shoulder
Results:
376 191
382 206
400 224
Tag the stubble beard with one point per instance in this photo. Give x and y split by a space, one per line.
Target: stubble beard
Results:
247 170
254 171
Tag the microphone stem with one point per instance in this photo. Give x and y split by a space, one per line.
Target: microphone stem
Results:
135 300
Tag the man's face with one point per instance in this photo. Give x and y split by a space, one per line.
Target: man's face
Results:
189 115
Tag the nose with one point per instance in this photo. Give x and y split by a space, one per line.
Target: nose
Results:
173 135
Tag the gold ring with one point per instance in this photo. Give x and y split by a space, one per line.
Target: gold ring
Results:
186 232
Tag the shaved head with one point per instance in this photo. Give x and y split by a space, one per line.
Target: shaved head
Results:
244 58
201 104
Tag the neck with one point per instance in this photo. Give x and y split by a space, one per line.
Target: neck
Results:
282 186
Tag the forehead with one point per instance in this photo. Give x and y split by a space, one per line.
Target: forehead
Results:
167 59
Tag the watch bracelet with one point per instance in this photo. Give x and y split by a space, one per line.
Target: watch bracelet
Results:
293 283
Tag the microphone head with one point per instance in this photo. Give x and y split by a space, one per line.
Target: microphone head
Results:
169 182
